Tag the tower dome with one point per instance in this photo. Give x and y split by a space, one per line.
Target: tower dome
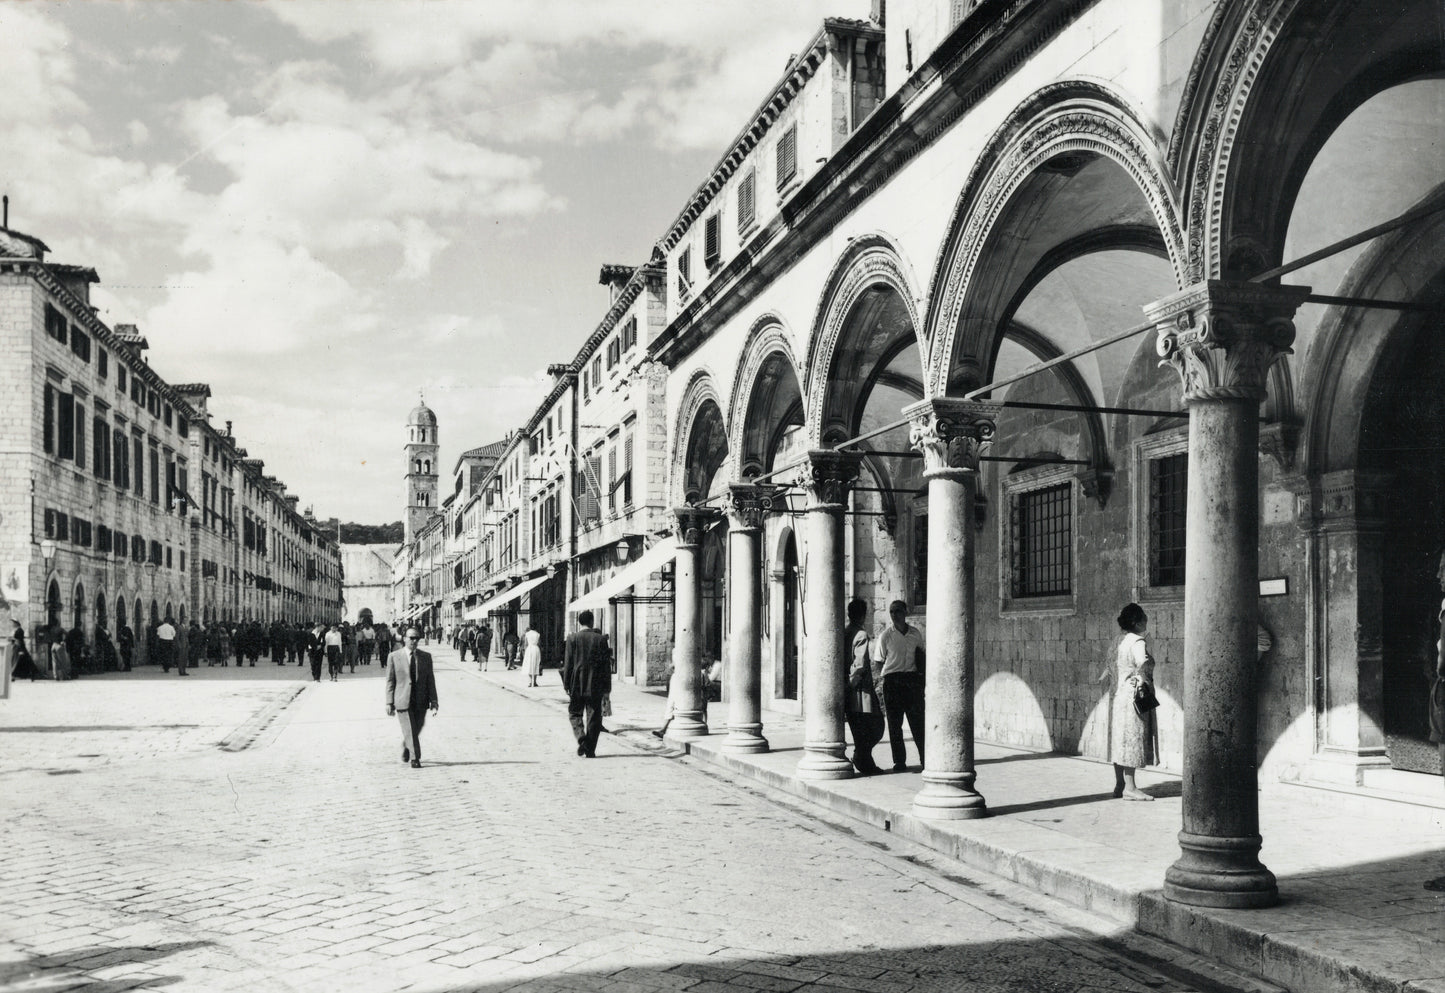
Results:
422 416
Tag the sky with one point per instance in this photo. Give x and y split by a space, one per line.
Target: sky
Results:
325 210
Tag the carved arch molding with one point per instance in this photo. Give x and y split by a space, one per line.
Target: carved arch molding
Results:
869 261
699 392
1065 117
768 339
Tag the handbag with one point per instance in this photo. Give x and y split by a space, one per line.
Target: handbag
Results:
1144 699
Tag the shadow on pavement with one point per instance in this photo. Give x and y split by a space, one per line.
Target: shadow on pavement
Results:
66 968
428 763
68 728
1069 801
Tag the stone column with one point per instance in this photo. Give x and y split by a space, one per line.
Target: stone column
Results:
829 478
687 719
746 505
1222 339
952 434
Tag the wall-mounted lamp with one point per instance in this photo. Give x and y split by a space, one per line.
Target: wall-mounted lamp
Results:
47 551
551 572
624 551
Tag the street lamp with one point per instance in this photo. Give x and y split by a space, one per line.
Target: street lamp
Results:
624 551
47 551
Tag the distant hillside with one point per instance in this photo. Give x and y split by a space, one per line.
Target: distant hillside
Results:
372 534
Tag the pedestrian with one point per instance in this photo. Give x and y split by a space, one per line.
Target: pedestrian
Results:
75 647
316 649
348 645
333 652
166 644
22 665
366 643
126 639
509 648
898 675
1131 724
195 645
181 649
587 675
484 645
532 654
411 690
860 702
1437 691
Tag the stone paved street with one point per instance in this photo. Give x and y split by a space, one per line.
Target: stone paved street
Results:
303 855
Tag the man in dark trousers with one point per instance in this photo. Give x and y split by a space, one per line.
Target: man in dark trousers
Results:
411 690
587 675
860 702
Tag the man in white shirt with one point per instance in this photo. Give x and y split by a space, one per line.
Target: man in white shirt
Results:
166 647
898 675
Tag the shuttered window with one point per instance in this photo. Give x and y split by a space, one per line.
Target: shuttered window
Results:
55 324
49 439
612 475
712 241
79 416
787 155
747 200
626 482
65 426
684 272
100 451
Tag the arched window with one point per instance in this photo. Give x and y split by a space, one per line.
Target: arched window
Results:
426 470
120 617
100 618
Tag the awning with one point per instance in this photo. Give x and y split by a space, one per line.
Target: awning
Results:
629 575
479 610
507 596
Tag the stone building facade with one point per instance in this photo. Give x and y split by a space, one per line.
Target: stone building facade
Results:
121 502
1023 311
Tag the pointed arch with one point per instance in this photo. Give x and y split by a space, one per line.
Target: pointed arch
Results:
761 407
871 261
1053 131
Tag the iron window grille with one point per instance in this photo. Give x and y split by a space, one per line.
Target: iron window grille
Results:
1043 542
1168 496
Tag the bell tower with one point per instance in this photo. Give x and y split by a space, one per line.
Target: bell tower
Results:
421 469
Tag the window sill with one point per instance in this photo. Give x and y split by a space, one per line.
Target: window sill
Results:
1038 606
1161 594
790 187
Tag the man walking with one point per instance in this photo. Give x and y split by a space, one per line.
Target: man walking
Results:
898 673
166 644
861 706
411 690
587 675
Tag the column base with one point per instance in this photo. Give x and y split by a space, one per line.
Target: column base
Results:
1221 873
745 739
949 798
824 761
687 726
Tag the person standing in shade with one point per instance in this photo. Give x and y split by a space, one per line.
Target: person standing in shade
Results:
532 654
125 638
484 645
1131 734
587 675
860 704
898 676
411 690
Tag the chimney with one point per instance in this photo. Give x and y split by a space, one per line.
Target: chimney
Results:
615 277
228 429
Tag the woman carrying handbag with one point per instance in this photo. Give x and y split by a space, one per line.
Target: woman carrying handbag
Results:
1131 727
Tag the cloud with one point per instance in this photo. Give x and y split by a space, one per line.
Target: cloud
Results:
679 75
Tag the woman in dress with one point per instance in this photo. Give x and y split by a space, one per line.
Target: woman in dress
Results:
532 654
1131 735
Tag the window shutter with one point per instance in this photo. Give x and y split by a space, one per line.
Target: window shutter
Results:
627 471
787 155
49 418
958 10
79 416
612 475
712 241
65 427
684 272
100 445
746 200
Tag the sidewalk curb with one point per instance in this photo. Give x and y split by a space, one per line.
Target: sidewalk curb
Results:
245 736
1299 959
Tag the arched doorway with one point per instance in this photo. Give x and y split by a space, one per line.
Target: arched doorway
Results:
786 674
53 605
1402 439
120 614
77 617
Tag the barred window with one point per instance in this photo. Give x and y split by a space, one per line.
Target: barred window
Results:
1168 491
1043 542
747 209
787 155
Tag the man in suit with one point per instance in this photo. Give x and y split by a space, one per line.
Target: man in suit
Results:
587 674
411 690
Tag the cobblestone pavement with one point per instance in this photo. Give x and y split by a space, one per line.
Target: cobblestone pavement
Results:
312 858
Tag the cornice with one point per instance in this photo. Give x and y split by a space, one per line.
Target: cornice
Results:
985 49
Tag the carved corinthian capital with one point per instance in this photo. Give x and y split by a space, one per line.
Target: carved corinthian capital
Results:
950 432
1222 337
692 522
747 504
828 476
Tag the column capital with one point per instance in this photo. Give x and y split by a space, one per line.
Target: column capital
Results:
692 521
952 433
1223 336
746 504
828 475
